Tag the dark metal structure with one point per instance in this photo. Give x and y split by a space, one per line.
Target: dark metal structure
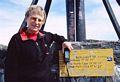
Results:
112 16
47 8
70 12
118 1
80 21
75 20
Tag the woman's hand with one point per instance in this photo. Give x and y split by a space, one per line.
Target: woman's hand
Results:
67 45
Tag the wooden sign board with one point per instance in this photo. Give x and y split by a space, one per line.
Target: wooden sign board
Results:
87 62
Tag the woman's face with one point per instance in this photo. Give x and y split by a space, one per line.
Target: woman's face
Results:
34 22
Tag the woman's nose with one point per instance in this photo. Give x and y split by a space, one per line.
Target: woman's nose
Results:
36 21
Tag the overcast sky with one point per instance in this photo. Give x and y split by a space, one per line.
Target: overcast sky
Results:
98 24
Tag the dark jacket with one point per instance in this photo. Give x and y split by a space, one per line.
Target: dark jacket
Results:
28 60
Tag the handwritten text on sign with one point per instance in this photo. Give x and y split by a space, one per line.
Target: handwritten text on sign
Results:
89 62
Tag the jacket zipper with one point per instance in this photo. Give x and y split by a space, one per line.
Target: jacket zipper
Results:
38 46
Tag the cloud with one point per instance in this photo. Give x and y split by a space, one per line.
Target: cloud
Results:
56 24
92 1
26 3
10 22
21 2
98 24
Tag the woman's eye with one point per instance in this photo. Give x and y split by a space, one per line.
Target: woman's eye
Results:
33 19
39 20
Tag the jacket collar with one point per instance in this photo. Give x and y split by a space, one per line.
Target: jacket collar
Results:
24 36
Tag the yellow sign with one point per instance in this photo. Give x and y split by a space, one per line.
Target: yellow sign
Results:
88 62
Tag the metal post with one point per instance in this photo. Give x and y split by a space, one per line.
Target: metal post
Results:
70 20
80 21
47 8
112 17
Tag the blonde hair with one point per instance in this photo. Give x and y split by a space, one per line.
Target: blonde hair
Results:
36 9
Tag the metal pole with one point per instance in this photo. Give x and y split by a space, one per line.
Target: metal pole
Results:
47 8
112 17
80 21
70 20
118 1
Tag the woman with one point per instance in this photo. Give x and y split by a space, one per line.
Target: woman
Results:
28 58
